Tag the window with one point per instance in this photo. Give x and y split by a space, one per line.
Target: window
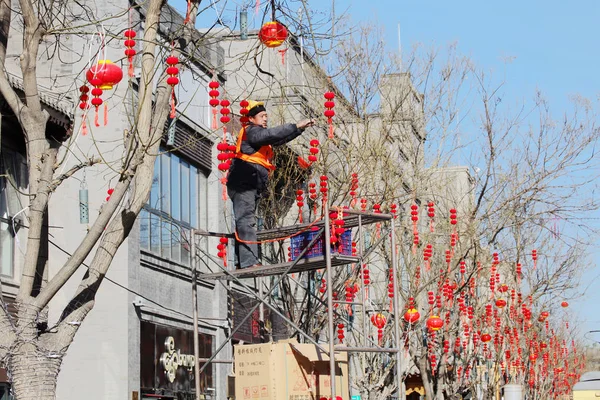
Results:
13 175
172 209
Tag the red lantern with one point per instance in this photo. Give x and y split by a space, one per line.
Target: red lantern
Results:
130 51
412 315
500 303
272 34
486 337
108 73
435 323
564 304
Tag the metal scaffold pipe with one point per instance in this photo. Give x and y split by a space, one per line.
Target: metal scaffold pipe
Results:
195 315
396 307
330 322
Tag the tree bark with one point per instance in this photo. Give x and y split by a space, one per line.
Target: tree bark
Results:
33 371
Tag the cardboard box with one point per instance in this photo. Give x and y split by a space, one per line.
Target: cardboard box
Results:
287 371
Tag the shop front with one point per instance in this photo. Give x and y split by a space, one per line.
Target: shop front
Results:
167 363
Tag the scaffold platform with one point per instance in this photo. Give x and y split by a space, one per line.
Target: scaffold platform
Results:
302 265
352 219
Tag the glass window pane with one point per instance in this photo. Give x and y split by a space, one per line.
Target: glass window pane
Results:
165 238
193 196
165 182
144 218
175 189
176 243
185 191
6 249
155 188
185 247
154 234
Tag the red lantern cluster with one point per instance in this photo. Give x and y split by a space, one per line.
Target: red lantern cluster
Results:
172 79
394 210
453 218
534 257
244 112
427 254
431 215
363 204
337 229
323 188
222 250
130 51
340 332
323 287
353 188
365 275
214 101
102 76
379 320
412 314
110 191
272 34
314 150
84 106
300 203
225 111
329 112
391 288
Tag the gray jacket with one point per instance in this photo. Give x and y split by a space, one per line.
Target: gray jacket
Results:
244 175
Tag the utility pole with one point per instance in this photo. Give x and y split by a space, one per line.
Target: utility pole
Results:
195 316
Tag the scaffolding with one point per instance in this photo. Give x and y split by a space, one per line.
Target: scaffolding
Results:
329 261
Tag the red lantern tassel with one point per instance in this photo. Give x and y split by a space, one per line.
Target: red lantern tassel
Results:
96 117
105 113
431 226
187 13
257 7
282 52
172 115
224 185
84 130
300 219
330 128
130 59
214 120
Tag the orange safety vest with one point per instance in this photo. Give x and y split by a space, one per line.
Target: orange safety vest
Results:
263 156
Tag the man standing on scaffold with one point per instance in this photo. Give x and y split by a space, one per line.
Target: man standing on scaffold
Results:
249 174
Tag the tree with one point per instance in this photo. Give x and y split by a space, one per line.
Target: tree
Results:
31 351
525 170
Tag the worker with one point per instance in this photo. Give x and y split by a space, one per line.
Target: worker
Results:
249 173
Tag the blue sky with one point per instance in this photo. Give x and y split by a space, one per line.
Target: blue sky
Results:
552 46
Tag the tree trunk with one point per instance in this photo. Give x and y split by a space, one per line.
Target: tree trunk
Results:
34 372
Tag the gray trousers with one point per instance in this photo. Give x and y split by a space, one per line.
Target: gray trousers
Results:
244 210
